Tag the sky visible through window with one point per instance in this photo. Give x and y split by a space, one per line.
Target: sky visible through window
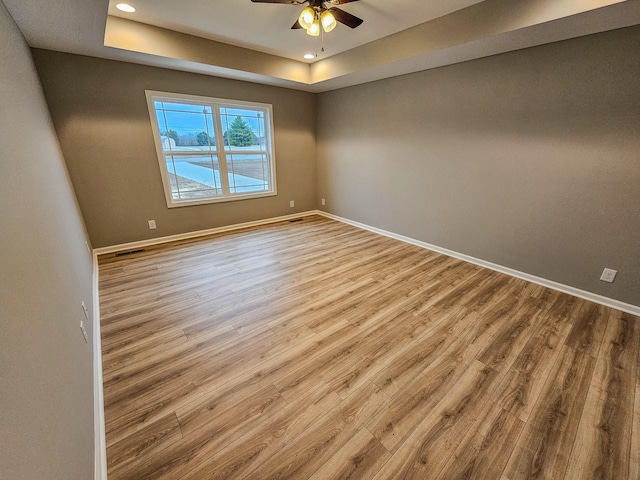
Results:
191 120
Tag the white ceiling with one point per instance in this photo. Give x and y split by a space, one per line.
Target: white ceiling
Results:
397 37
266 27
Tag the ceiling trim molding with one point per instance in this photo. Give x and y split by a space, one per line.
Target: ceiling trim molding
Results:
370 62
147 39
476 23
487 28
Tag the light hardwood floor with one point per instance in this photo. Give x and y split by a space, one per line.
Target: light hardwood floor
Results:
315 350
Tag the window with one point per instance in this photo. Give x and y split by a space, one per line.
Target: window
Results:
212 150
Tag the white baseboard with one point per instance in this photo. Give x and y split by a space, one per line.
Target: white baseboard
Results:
593 297
100 442
199 233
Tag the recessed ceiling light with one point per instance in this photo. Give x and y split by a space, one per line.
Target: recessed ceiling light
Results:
125 7
309 56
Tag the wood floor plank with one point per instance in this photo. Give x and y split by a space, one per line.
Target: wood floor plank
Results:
121 423
485 450
588 329
255 396
247 452
433 441
124 456
310 371
524 382
409 363
502 350
496 315
146 347
405 412
378 351
544 446
310 450
198 445
360 459
634 462
485 292
314 349
603 441
466 291
179 365
145 407
147 359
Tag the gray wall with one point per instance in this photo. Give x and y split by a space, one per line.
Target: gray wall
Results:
526 159
529 159
46 386
100 113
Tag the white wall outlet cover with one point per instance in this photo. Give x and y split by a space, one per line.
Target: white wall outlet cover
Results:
323 202
85 310
152 224
608 275
292 203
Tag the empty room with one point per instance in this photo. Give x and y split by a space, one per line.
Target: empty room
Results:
306 239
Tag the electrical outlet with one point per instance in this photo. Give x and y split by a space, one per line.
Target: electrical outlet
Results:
292 203
152 224
323 202
608 275
84 332
85 310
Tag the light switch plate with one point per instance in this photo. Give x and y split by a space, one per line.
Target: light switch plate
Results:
84 332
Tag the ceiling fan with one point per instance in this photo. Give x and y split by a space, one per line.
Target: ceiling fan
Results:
318 15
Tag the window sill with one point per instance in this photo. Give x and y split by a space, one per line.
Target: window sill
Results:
235 198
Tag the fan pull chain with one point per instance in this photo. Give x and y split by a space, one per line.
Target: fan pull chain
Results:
321 42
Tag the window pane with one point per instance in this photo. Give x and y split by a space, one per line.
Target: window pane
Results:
198 137
248 173
193 177
185 127
243 129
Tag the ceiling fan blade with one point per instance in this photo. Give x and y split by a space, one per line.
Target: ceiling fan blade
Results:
296 25
292 2
346 18
340 2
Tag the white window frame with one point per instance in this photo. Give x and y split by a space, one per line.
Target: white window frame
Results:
220 151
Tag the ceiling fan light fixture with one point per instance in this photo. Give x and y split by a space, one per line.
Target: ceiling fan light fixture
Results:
306 18
314 28
328 21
